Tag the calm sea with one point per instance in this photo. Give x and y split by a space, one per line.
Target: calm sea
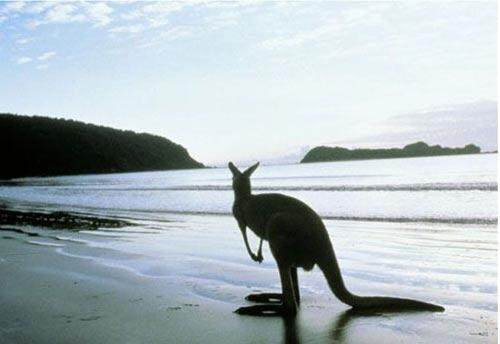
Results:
451 189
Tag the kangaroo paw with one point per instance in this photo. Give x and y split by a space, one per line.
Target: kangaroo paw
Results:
265 298
263 310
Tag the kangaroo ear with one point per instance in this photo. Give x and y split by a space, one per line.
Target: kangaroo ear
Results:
248 172
233 169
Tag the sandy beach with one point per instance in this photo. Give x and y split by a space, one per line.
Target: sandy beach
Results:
179 281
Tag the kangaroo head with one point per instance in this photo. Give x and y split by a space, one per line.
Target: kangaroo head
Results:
241 180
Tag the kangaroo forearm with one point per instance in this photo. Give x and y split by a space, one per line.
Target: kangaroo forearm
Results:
260 246
247 245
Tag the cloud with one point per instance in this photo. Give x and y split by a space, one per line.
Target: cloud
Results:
23 60
149 15
233 4
46 56
132 28
23 41
328 28
223 19
129 17
454 125
98 13
169 35
39 6
176 33
323 32
156 8
14 6
63 13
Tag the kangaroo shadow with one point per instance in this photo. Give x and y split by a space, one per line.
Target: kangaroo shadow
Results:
338 332
291 333
343 322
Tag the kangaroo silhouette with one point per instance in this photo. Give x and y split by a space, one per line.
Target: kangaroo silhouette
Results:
297 238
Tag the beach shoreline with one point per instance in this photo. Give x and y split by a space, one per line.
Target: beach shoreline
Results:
181 283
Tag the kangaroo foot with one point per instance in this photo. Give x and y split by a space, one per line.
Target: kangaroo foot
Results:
265 298
265 311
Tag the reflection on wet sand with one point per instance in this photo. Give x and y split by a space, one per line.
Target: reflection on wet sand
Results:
290 334
340 325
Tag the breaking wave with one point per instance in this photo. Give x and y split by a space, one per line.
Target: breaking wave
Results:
333 188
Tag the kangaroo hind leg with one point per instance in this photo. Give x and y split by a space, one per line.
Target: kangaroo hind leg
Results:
277 297
295 282
288 306
280 241
265 297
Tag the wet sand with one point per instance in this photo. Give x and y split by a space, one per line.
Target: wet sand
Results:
179 282
57 220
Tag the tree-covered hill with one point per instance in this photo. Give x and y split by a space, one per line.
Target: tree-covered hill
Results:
416 149
42 146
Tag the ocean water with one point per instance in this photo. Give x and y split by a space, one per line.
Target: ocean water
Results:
423 228
451 189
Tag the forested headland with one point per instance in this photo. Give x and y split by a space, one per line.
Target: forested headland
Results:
417 149
43 146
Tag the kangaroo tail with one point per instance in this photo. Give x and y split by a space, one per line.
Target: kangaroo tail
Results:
331 270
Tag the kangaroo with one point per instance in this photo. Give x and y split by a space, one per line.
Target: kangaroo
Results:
297 238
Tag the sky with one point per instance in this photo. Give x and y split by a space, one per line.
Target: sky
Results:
257 80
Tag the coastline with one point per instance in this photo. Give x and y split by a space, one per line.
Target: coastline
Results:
394 158
20 180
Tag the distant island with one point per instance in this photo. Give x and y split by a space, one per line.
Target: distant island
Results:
417 149
43 146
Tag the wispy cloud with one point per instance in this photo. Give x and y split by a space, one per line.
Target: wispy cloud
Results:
63 13
153 9
169 35
46 56
23 41
214 15
131 28
23 60
14 6
452 125
327 29
148 15
223 19
43 57
323 66
39 6
126 17
97 13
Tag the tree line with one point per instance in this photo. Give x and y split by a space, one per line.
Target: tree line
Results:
43 146
417 149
